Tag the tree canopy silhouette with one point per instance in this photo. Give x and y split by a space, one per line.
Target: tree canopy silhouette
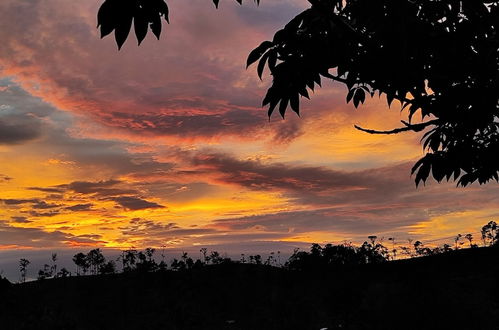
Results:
438 58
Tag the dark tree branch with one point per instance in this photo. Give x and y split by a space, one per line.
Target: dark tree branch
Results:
408 127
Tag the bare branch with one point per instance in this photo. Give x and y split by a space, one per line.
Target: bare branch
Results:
408 127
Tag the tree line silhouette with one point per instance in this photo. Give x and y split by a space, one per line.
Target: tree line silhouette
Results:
372 251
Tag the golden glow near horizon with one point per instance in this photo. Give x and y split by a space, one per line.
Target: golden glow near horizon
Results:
166 144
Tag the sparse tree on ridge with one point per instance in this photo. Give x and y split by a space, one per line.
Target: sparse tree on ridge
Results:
456 241
490 232
319 257
204 251
469 237
149 252
146 262
177 264
407 251
95 260
446 248
81 262
129 260
64 273
107 267
54 264
23 268
215 257
420 249
394 250
45 272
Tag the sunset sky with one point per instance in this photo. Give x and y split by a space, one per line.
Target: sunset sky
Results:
166 144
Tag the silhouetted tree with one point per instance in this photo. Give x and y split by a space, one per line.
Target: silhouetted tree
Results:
490 232
184 256
437 58
215 258
23 269
107 267
206 258
271 260
421 250
331 256
456 241
188 261
407 251
177 264
81 262
149 252
469 237
446 248
339 255
45 272
63 273
95 259
162 266
129 260
374 252
255 259
394 250
54 264
146 262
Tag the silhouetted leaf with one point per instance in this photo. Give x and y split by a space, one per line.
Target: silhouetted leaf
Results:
282 106
156 26
359 97
261 64
141 25
106 19
294 102
423 172
163 10
258 52
123 24
350 94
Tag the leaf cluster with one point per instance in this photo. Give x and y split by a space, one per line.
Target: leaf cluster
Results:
438 58
118 16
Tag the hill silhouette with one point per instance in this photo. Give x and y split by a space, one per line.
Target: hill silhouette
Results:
458 289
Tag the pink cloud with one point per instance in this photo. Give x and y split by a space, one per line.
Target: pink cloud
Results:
191 84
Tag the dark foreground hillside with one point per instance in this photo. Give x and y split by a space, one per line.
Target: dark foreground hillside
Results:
458 290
